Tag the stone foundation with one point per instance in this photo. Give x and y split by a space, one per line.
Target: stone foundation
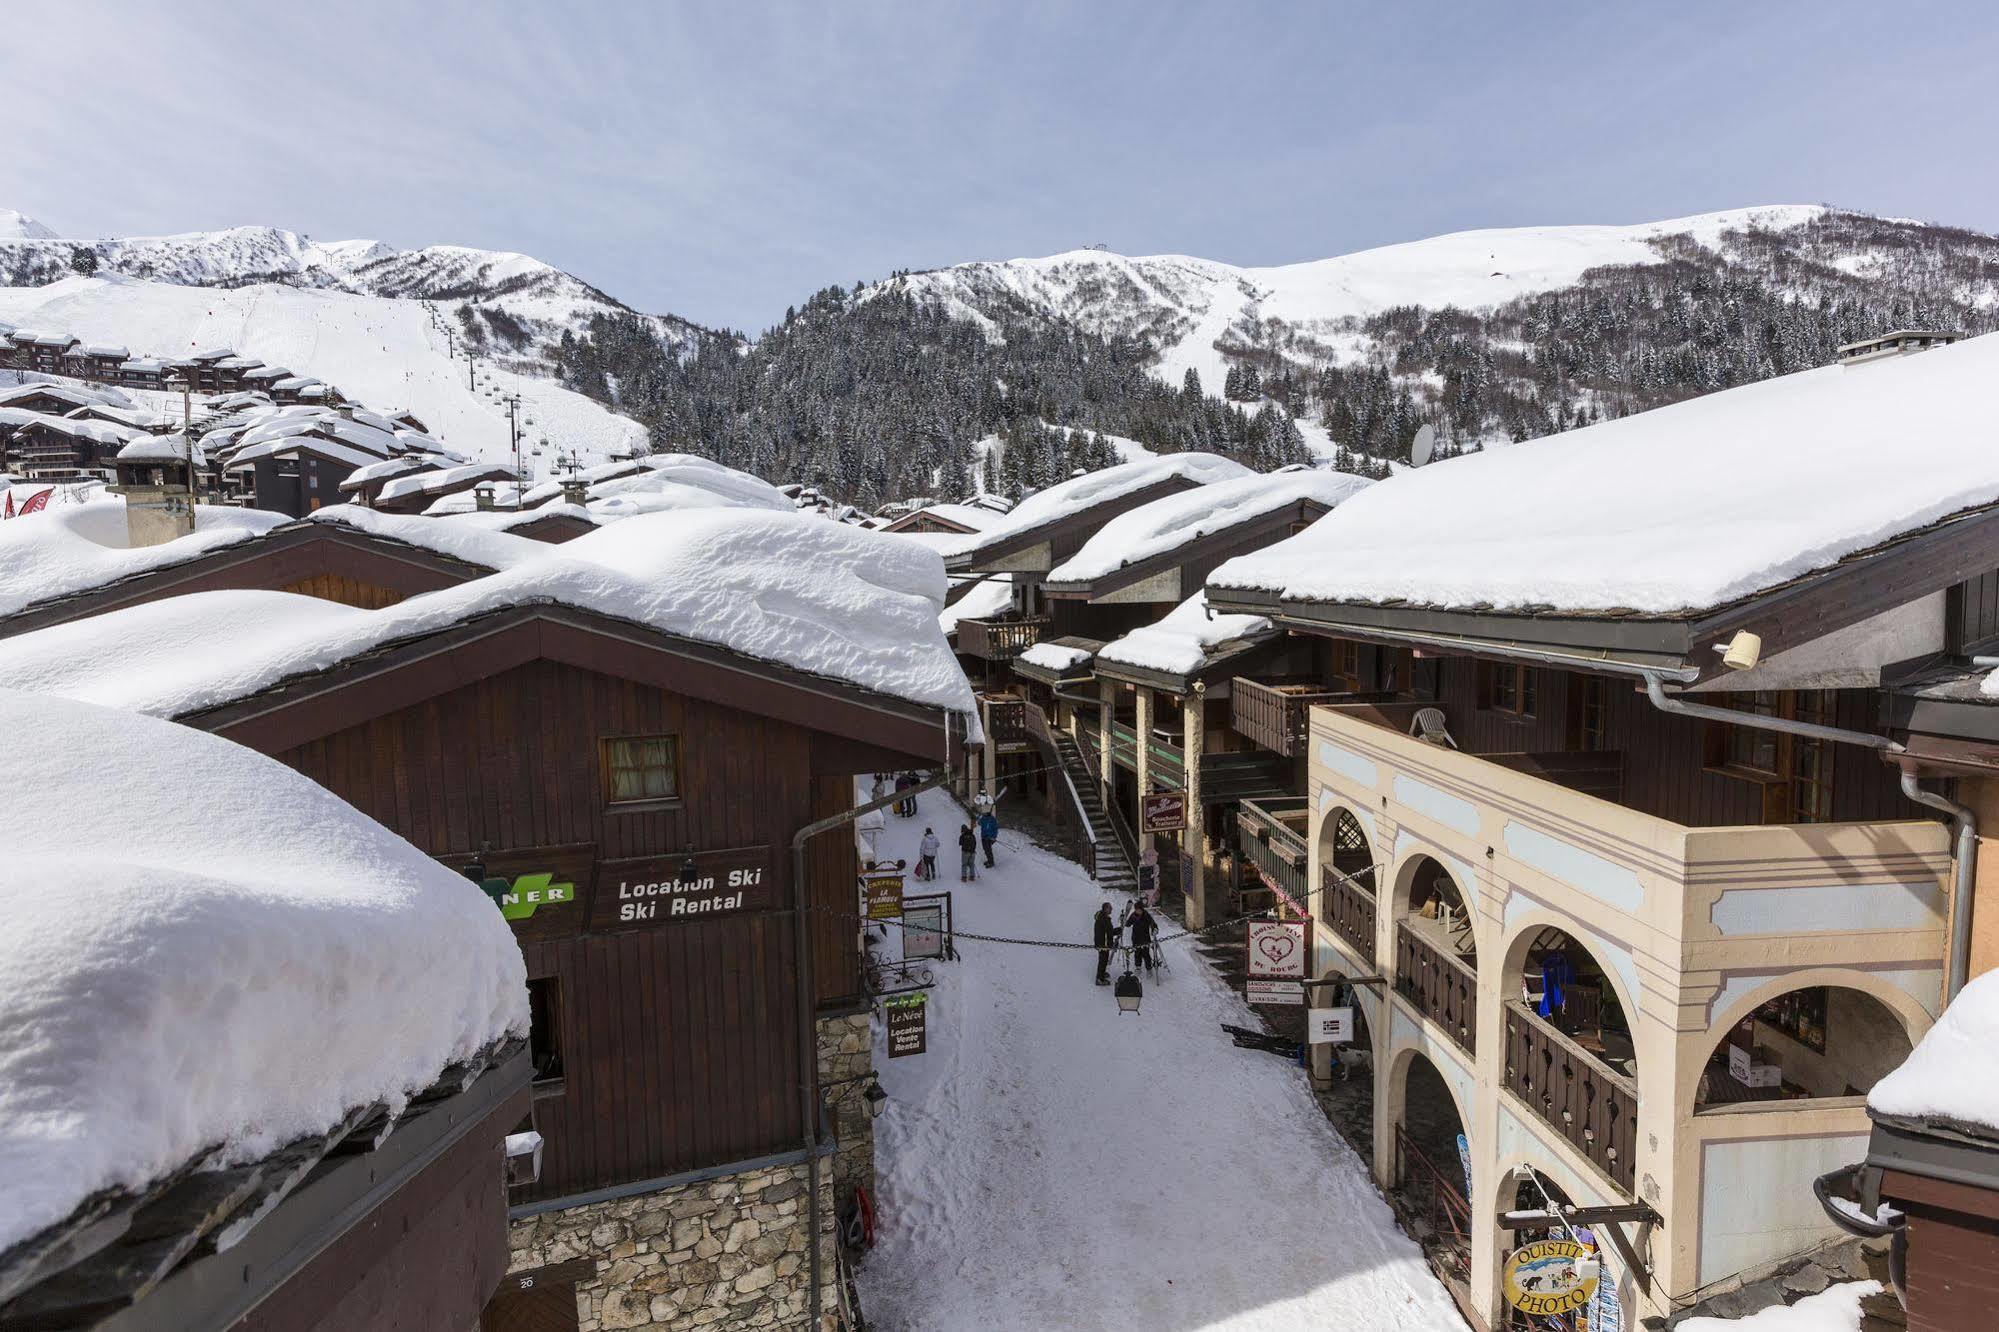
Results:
726 1254
846 1057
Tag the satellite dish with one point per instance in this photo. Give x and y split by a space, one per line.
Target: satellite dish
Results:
1419 448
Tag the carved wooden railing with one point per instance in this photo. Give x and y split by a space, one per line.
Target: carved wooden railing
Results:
1349 909
999 640
1275 714
1273 846
1006 719
1443 988
1581 1097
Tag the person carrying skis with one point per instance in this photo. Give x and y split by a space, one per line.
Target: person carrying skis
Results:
1104 936
988 834
928 849
1144 929
966 844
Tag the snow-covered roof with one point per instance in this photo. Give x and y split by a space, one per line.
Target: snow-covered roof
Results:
1177 520
73 394
97 432
819 597
1672 511
71 549
487 548
506 495
1056 657
1950 1076
162 448
438 478
104 349
1078 494
212 354
971 517
267 372
161 970
506 520
1834 1309
142 365
1187 639
990 596
288 446
361 476
667 481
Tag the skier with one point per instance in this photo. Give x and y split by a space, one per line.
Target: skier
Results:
966 843
988 834
928 848
879 789
1105 938
1144 929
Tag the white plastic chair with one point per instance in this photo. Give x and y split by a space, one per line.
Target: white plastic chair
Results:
1430 729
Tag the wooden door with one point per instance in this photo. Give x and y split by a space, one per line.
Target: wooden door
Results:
542 1299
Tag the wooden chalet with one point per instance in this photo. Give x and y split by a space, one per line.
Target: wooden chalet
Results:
60 449
633 799
44 352
1650 888
414 491
98 361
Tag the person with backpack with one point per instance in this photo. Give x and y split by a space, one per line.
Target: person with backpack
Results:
966 845
928 849
1104 933
1144 929
988 834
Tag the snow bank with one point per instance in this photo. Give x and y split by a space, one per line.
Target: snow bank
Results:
1675 510
491 549
1180 643
1951 1075
1166 524
177 983
1054 656
1834 1309
1073 496
73 549
832 600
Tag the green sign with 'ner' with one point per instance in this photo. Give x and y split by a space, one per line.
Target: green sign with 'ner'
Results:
524 896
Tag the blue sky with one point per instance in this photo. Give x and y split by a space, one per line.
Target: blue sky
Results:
721 161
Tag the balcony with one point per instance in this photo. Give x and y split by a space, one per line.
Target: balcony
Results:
1591 1105
1441 985
1000 639
1005 720
1274 714
1349 909
1168 761
1273 841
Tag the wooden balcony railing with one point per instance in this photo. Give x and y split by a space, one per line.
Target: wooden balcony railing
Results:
1006 719
999 640
1168 767
1273 841
1349 909
1586 1101
1038 726
1442 987
1275 714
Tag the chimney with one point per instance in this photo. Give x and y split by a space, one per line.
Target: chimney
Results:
482 497
158 485
575 490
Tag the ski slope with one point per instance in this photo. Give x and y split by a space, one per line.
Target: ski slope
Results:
1049 1163
387 353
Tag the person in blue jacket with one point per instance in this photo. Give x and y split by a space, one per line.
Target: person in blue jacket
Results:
988 834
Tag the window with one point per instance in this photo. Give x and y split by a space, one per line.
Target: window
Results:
1592 695
545 1030
642 769
1508 688
1346 664
1795 771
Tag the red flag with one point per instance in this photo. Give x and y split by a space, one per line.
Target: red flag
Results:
39 501
10 506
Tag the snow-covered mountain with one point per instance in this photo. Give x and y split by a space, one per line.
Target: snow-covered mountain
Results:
509 306
1197 313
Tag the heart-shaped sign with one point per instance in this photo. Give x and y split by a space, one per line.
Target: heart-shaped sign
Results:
1276 947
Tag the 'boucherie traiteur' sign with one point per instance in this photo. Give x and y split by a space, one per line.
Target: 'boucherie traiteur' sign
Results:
659 890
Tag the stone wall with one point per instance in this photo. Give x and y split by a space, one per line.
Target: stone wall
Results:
726 1254
846 1057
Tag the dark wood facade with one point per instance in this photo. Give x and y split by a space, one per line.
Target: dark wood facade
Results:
678 1039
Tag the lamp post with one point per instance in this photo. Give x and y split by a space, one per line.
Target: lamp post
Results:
1129 991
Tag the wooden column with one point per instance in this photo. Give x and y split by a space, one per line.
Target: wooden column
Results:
1141 729
1107 691
1194 839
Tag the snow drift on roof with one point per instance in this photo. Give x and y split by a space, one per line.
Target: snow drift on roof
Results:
475 545
1168 523
791 590
178 984
1055 656
1183 641
506 520
1078 493
1834 1309
1680 509
991 596
66 550
162 448
1950 1075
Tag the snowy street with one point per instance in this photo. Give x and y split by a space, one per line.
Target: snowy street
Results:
1051 1164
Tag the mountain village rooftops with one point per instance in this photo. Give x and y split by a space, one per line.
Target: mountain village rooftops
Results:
1177 521
440 478
103 433
73 548
815 597
161 969
163 448
491 548
1045 509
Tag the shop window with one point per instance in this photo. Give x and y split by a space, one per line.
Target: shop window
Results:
545 1032
642 769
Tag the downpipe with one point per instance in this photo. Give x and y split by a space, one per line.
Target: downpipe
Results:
1965 866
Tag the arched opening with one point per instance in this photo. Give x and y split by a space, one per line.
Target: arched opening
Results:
1347 882
1570 1056
1431 1191
1527 1195
1436 950
1347 1071
1809 1043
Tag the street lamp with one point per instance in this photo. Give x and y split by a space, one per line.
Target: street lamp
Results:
875 1096
1130 992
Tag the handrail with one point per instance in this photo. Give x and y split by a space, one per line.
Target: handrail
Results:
1082 815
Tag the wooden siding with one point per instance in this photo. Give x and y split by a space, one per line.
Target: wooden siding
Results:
679 1041
346 591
